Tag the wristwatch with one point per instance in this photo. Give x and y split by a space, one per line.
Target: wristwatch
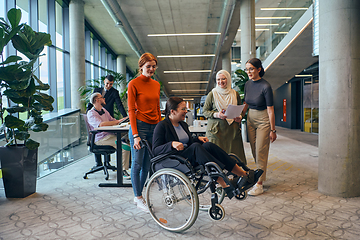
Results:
274 131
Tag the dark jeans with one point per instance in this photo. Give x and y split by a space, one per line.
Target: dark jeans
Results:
140 161
199 154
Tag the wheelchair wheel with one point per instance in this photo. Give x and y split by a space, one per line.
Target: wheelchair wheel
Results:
172 200
241 196
217 212
204 194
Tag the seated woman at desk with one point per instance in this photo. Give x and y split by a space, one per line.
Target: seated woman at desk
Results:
173 133
98 116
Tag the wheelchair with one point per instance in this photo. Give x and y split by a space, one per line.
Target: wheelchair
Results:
176 190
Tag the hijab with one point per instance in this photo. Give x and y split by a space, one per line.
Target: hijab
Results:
224 96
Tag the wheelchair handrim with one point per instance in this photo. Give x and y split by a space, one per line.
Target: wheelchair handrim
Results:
194 199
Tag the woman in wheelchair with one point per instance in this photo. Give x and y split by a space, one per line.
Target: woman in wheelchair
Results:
173 133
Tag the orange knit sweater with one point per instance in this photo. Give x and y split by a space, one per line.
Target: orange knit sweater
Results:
143 101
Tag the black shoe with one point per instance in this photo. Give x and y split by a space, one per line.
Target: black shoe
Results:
250 180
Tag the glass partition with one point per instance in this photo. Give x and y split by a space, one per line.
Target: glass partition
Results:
63 143
311 104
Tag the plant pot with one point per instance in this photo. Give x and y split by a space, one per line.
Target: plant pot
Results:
19 170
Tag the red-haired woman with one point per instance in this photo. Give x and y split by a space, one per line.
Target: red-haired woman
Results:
144 114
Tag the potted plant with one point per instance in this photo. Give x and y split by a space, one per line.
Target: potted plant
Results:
23 91
240 79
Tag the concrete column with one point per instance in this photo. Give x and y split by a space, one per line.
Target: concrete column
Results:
121 68
247 26
339 107
226 61
77 51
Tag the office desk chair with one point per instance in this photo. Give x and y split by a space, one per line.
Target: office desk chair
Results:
105 150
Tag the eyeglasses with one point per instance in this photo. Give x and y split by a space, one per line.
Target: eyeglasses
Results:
249 69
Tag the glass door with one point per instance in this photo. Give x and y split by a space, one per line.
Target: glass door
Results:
311 104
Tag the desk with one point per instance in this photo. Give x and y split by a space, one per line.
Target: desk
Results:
197 130
119 131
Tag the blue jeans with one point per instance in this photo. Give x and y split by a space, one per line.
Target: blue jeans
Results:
140 159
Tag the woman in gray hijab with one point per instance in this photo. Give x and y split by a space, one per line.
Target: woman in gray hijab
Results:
224 132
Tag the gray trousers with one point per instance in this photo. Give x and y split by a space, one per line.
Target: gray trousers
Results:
110 140
258 125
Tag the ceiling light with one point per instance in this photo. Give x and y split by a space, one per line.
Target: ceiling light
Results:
182 34
257 29
287 9
267 18
281 32
180 56
188 99
190 71
188 90
266 24
188 82
304 75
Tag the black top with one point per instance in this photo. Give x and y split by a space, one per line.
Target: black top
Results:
258 94
111 96
165 134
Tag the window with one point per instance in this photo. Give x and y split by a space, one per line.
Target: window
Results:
23 5
59 56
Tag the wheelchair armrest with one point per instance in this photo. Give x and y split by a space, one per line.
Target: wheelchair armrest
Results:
211 166
161 157
172 154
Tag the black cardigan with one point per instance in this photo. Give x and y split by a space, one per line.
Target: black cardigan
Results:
165 134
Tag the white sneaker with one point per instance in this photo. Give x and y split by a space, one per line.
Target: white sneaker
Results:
141 204
257 189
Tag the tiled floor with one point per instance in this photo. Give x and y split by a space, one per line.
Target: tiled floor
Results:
68 207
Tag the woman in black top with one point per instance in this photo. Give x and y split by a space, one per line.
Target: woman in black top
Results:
173 133
258 97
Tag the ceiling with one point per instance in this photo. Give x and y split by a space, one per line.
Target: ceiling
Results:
139 18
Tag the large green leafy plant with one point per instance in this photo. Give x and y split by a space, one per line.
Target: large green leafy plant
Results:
239 80
18 81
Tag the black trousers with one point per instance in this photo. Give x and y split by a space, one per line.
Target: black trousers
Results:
199 154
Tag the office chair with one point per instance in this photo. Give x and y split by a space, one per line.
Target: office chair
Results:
105 150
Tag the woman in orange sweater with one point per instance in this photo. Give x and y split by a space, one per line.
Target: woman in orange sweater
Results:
144 114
